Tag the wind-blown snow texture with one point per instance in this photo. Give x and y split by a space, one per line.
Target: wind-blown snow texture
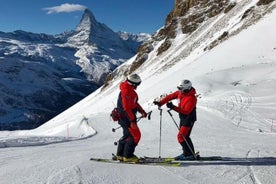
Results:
236 118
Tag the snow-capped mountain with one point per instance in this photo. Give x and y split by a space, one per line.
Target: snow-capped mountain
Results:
42 75
134 40
99 49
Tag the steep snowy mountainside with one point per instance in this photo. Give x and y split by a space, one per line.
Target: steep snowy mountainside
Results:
42 75
197 26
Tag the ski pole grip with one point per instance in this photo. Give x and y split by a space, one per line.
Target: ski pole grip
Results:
114 129
159 108
149 114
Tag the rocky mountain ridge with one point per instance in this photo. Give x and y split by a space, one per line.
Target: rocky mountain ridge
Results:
201 24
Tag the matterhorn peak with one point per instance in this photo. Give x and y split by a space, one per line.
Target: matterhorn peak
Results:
88 21
90 30
85 29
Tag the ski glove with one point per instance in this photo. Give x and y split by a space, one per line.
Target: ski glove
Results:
157 103
144 114
170 105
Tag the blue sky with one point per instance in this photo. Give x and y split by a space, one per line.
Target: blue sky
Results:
56 16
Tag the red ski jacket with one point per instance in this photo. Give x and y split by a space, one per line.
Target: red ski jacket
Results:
186 105
129 100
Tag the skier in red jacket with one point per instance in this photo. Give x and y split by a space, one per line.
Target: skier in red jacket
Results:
128 106
187 114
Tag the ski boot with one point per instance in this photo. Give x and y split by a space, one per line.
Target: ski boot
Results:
117 157
183 157
133 159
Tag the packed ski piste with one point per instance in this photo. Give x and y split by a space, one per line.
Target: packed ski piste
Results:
125 113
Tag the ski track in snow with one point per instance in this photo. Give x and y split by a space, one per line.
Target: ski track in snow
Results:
68 175
252 170
236 107
173 174
31 141
251 173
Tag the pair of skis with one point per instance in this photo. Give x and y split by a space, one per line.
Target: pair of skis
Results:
156 161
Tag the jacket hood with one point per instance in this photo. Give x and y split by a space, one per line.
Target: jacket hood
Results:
126 86
192 92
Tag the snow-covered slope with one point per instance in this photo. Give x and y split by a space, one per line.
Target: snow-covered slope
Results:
236 119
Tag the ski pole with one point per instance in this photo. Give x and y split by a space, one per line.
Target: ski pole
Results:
114 129
160 130
169 111
137 120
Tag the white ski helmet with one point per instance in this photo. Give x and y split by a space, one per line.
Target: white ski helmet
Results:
134 79
184 85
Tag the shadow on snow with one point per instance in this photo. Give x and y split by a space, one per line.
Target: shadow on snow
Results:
260 161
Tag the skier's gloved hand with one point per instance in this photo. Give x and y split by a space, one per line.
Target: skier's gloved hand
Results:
144 114
156 103
170 105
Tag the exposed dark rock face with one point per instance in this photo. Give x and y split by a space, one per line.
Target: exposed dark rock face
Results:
264 2
191 19
186 16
